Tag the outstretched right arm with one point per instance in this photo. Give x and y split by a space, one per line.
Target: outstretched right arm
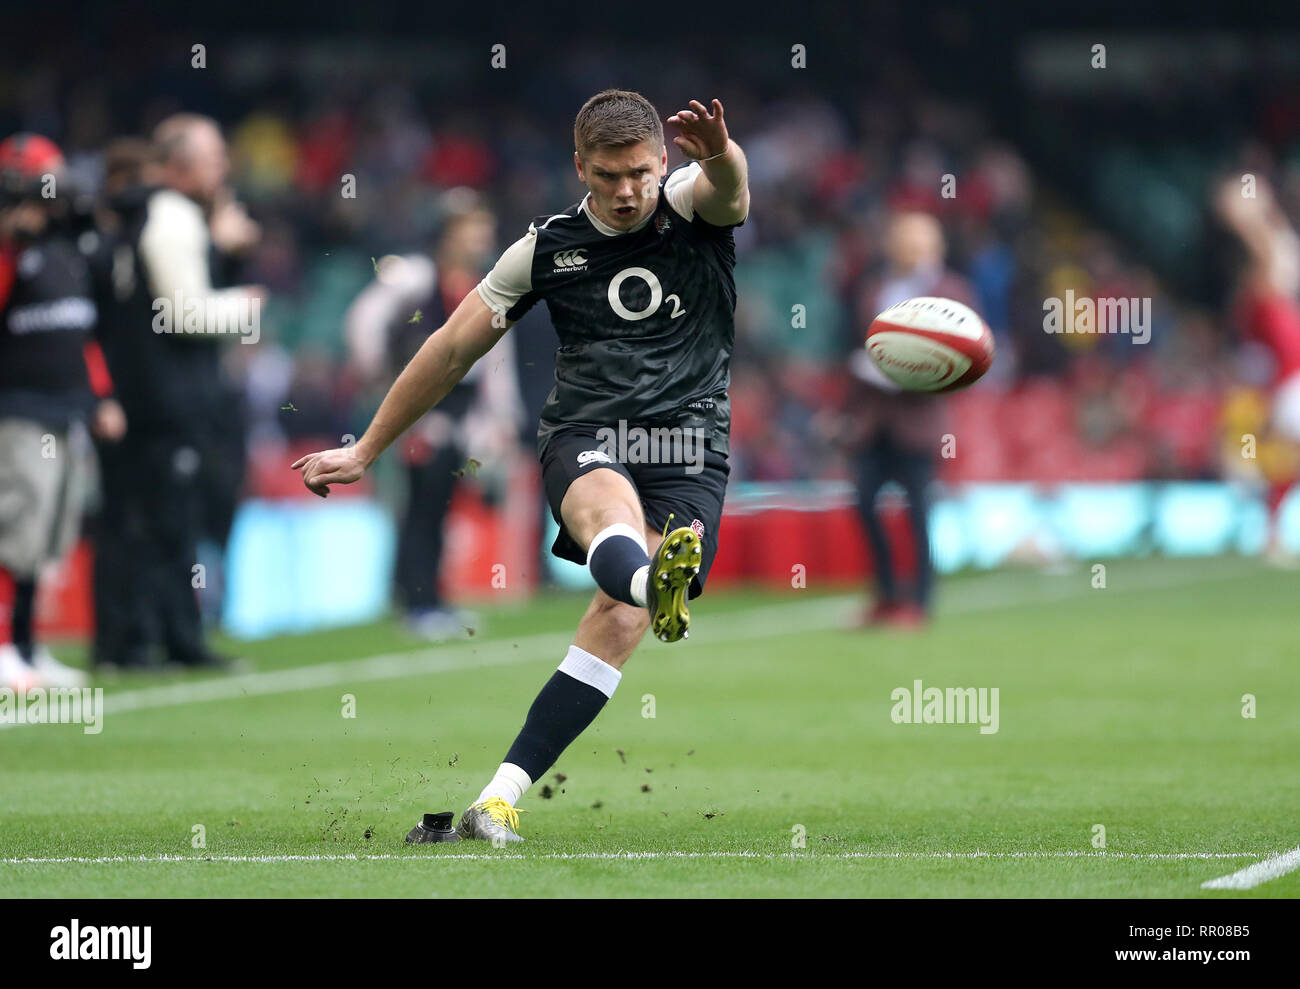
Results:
442 360
1271 242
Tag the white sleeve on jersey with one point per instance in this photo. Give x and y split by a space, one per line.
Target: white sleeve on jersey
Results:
680 190
511 278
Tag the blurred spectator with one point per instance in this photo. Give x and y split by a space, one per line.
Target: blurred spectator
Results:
1268 303
47 316
119 613
162 341
892 435
410 297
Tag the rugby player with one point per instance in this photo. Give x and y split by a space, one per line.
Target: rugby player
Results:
638 278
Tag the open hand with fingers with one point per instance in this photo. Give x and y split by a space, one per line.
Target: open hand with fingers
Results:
703 134
320 470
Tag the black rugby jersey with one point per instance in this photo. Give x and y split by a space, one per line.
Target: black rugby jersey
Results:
645 317
47 315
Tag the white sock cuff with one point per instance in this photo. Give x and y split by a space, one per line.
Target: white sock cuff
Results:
516 776
618 529
510 784
591 670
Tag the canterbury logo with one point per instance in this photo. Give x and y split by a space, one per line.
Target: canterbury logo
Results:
569 259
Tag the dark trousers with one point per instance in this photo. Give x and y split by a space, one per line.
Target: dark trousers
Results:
146 550
884 460
430 486
118 534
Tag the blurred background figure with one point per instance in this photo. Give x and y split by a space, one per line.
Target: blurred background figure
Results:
47 318
410 296
163 338
223 458
117 530
892 435
1267 305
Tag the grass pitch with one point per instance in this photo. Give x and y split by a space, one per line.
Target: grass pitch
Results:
771 730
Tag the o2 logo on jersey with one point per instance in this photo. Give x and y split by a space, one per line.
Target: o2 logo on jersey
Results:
657 297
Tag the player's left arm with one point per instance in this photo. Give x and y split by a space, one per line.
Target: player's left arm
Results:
721 193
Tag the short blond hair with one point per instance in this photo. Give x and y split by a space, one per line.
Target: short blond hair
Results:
616 118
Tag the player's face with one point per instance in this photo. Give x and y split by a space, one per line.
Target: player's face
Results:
624 182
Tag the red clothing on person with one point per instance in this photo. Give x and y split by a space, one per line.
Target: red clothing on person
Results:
1274 320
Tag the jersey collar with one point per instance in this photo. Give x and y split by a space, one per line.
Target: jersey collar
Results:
604 227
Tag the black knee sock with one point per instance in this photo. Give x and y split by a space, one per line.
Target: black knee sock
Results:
561 712
613 562
24 607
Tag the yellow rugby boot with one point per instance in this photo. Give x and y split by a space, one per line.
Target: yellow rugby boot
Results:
492 820
674 565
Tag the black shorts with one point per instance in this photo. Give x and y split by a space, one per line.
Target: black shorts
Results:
693 498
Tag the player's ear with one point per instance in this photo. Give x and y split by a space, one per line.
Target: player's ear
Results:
577 163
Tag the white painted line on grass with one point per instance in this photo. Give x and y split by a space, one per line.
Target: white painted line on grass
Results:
620 856
445 658
768 621
1261 872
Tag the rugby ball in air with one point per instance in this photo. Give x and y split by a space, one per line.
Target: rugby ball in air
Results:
930 344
